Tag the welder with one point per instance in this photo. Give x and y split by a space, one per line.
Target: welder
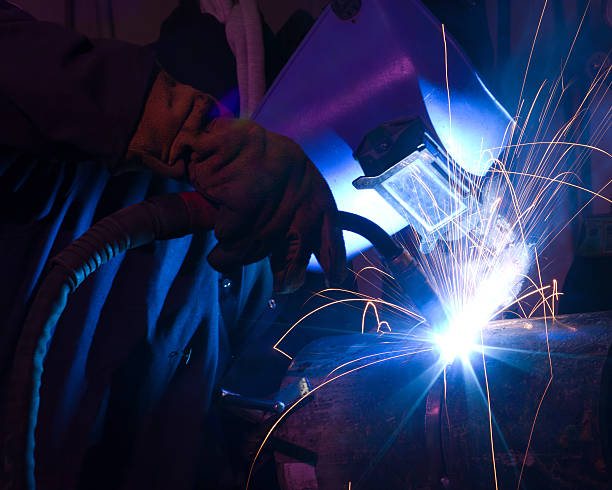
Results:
124 380
89 127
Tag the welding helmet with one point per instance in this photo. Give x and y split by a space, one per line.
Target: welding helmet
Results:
375 85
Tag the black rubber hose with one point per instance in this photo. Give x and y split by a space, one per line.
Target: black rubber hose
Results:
378 237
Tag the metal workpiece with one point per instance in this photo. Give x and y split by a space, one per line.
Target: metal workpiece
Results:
570 443
387 413
367 426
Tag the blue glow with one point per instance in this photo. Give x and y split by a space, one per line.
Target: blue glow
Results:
455 343
477 127
423 193
335 161
492 294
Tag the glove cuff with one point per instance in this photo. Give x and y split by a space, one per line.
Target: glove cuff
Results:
168 106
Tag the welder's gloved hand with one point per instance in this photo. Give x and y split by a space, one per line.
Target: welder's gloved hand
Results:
271 199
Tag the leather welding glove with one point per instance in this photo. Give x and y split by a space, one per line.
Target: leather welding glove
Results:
271 200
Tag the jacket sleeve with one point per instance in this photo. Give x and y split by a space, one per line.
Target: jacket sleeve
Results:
66 96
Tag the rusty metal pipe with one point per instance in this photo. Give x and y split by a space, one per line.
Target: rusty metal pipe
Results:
389 424
570 442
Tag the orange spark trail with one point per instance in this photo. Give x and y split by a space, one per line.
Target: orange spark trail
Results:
371 304
445 404
484 365
447 87
362 298
531 52
374 268
551 143
353 361
365 312
545 389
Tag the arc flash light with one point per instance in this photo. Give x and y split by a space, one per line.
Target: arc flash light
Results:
413 173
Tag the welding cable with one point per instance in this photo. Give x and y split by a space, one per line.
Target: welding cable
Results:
158 218
384 244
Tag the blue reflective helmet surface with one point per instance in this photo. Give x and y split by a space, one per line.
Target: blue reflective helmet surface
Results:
347 77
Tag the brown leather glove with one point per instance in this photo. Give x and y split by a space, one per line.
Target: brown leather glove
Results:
270 197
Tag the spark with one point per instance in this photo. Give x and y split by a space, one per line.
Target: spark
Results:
550 379
535 37
379 322
450 136
555 143
372 268
484 366
409 350
362 298
445 404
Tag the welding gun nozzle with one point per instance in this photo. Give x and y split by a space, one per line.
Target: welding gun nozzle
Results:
415 285
403 266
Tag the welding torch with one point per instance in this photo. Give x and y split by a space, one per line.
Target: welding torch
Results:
403 265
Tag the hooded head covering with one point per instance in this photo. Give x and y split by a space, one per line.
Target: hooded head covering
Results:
244 35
